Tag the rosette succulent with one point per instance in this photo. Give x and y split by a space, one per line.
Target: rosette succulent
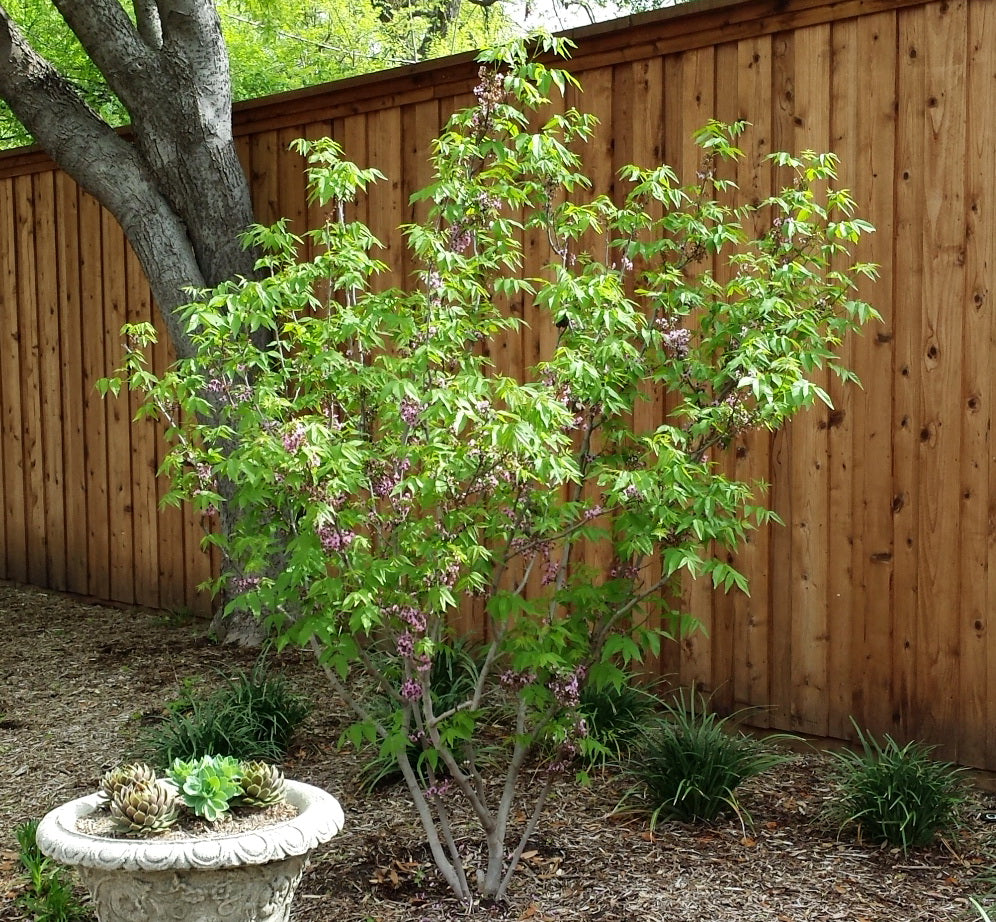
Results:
208 785
262 784
144 807
121 776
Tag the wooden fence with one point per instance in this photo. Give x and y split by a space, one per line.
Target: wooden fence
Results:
874 598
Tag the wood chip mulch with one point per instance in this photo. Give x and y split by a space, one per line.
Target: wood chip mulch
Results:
80 683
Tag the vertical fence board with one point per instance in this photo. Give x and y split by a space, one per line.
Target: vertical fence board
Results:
726 108
16 534
121 522
31 424
601 158
175 591
354 143
50 379
645 127
263 176
844 426
779 567
385 199
810 448
981 290
943 121
145 518
290 167
976 387
868 170
698 105
908 264
72 327
752 613
94 367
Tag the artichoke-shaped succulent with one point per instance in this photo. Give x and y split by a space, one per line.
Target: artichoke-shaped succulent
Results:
121 776
144 807
262 784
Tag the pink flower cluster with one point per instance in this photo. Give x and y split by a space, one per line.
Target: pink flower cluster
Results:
294 439
410 410
567 688
406 644
383 480
333 538
516 681
411 690
241 584
414 618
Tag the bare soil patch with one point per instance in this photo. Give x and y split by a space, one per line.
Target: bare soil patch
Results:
80 683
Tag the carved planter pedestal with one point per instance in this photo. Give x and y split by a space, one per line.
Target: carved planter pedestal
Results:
246 877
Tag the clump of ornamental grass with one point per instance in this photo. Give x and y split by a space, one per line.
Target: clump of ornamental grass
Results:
689 766
382 476
616 717
252 715
895 795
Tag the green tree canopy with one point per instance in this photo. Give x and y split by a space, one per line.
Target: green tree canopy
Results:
278 45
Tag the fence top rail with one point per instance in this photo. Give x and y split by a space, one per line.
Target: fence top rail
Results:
630 38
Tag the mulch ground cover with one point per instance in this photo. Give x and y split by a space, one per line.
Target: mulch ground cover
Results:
80 684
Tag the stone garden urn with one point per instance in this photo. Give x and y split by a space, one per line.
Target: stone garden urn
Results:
248 876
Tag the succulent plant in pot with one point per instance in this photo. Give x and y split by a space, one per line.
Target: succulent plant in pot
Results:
151 867
208 785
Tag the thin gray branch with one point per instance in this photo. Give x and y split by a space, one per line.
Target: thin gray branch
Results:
150 26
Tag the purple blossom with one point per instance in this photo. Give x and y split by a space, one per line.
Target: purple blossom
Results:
624 571
204 476
488 202
461 238
410 616
406 644
450 575
242 584
567 752
333 538
676 340
383 481
294 439
410 410
516 681
411 690
438 790
567 688
490 88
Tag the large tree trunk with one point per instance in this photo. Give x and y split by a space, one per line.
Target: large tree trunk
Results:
174 184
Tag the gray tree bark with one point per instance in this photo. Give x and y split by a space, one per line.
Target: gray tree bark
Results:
174 183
